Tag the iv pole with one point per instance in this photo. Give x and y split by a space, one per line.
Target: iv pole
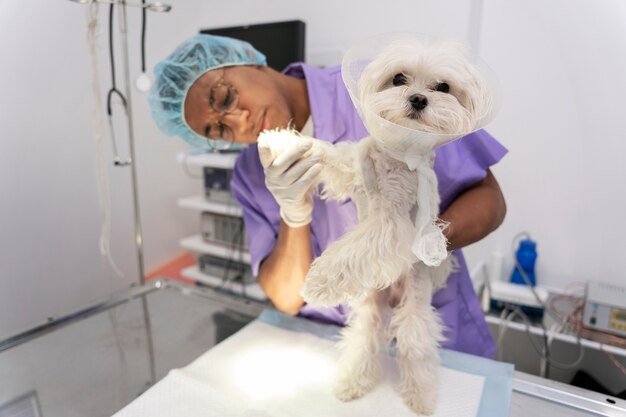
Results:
133 170
156 6
131 139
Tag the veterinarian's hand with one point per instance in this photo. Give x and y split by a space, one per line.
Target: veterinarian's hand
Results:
290 177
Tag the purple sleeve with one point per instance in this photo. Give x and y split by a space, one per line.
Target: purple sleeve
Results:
464 162
248 188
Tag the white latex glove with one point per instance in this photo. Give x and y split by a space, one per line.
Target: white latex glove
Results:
291 170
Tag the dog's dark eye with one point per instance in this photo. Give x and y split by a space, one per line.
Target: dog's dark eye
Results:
399 79
443 87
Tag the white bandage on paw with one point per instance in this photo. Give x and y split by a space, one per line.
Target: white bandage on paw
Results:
291 170
276 141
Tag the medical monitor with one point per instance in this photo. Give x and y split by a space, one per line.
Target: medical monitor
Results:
281 42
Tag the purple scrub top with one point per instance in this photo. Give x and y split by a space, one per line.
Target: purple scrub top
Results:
458 165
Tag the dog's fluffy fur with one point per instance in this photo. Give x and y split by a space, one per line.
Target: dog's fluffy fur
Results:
373 267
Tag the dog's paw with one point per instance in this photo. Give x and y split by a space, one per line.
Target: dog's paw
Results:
348 389
420 407
326 284
422 402
319 290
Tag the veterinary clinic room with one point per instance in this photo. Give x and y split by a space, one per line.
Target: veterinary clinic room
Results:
336 208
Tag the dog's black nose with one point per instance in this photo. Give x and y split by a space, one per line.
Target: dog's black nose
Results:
418 102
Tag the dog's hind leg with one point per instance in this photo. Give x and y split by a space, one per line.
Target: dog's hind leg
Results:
359 367
418 331
370 256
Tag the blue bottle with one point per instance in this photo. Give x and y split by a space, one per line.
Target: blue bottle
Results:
526 255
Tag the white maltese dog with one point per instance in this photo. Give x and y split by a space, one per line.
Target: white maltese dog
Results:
413 97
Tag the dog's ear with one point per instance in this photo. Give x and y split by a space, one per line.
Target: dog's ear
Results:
481 100
478 98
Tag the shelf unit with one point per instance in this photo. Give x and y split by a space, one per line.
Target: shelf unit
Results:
215 160
200 203
196 243
253 291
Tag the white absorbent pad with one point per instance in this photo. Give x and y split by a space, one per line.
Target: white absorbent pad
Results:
284 366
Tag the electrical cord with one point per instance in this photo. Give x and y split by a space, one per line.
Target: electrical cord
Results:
571 321
603 338
230 260
545 352
237 245
613 359
241 263
546 356
505 317
508 315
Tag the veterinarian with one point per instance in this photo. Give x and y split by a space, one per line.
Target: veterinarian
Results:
216 90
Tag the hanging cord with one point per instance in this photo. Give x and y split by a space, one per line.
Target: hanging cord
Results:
572 320
235 261
544 353
143 36
613 359
113 89
102 182
117 161
506 317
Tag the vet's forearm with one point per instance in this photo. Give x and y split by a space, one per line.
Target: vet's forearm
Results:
474 214
282 274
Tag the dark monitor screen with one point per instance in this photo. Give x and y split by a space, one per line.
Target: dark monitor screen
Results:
281 42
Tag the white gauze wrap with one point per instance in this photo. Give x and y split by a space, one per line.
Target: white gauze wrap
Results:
277 141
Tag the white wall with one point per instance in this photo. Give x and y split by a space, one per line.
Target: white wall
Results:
49 217
562 65
560 62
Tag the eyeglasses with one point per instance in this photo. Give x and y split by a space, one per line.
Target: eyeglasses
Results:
223 99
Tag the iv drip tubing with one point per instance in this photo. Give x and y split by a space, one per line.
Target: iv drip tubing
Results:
102 182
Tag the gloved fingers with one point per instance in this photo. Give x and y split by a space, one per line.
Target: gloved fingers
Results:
296 172
265 155
287 157
310 175
297 180
268 155
296 201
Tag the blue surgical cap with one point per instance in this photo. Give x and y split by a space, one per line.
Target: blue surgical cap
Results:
177 73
